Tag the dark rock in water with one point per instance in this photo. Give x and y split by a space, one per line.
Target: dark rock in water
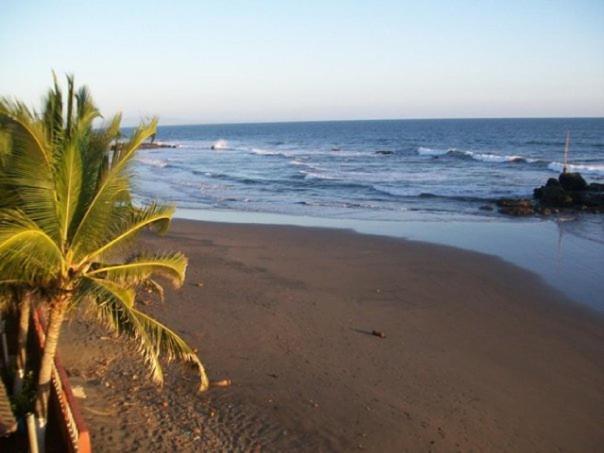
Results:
486 207
146 145
555 196
516 207
156 145
572 181
589 198
552 185
543 211
596 187
385 152
517 211
552 182
570 191
514 202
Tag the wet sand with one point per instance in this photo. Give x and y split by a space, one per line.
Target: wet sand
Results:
478 355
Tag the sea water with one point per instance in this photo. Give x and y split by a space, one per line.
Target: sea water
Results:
431 180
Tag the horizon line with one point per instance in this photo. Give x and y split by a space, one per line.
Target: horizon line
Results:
379 119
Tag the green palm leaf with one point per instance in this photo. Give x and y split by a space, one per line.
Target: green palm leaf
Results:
139 268
153 339
30 166
116 183
68 177
27 252
125 224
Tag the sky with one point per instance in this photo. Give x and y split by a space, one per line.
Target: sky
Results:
279 60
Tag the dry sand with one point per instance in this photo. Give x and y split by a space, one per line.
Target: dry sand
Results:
478 355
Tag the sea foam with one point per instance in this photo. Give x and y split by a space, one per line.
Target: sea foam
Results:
220 144
597 169
152 162
483 157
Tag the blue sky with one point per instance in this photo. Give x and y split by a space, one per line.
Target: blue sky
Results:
239 61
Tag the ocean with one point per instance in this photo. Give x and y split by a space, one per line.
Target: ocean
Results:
381 170
427 180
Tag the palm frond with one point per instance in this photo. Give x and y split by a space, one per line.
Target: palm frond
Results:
29 166
124 293
84 102
52 115
68 177
113 188
70 119
153 339
27 252
141 267
94 153
125 225
17 114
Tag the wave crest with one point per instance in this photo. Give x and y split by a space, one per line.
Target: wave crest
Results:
597 169
220 144
483 157
423 151
267 152
152 162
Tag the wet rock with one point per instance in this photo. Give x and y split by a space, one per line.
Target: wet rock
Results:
555 196
552 182
595 187
590 198
486 207
570 191
516 207
572 181
543 210
512 202
384 152
517 211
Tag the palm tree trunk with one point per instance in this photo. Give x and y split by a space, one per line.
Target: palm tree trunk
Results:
24 315
55 320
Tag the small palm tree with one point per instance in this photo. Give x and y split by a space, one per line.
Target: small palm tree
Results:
67 222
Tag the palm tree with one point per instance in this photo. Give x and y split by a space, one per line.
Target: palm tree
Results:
25 301
67 222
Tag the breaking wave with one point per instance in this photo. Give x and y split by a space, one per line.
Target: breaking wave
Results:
422 151
152 162
267 152
220 144
483 157
597 169
594 169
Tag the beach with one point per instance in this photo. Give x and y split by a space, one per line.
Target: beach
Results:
477 354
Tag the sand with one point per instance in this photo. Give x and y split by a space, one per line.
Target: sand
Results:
478 355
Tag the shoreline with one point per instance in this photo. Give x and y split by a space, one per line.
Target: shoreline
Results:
478 355
557 250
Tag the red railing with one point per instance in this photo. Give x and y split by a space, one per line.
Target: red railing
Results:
71 423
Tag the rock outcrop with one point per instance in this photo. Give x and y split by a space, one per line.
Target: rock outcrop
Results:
569 192
517 207
155 145
572 182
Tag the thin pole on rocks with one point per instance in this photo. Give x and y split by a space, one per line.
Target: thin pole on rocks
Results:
566 146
